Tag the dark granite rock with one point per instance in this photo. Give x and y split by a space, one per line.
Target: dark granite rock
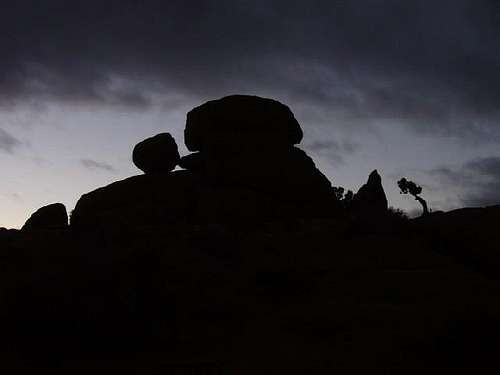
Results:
151 199
370 199
194 162
53 216
280 175
157 154
236 120
276 171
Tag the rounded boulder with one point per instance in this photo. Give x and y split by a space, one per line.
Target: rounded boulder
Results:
156 154
241 120
53 216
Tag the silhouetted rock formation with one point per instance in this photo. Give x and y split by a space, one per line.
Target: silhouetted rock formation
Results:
157 154
52 216
370 200
238 120
287 171
248 142
247 168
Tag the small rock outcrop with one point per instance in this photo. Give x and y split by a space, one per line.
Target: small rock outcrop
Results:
370 199
53 216
158 154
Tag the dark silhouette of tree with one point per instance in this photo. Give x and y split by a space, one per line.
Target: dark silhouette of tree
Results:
341 194
409 187
348 196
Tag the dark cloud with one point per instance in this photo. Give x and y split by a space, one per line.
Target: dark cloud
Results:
8 143
477 181
93 164
432 65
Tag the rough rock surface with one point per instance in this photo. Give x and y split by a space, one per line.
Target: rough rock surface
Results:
156 154
247 169
269 169
370 198
51 216
138 200
240 119
183 197
194 162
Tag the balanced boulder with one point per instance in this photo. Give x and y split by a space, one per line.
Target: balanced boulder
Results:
157 154
53 216
237 120
248 142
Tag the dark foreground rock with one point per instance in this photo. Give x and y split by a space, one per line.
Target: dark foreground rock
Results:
469 234
53 216
312 297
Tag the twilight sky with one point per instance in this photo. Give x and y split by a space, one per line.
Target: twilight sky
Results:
410 87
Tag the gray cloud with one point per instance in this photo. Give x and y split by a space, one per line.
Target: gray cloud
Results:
477 181
335 151
8 143
432 66
93 164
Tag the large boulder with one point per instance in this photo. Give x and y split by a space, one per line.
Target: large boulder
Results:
276 171
370 200
151 199
239 120
184 198
53 216
281 179
156 154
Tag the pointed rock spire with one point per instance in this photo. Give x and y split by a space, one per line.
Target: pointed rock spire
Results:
370 198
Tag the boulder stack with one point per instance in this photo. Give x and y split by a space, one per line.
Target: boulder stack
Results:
53 216
245 165
156 154
250 141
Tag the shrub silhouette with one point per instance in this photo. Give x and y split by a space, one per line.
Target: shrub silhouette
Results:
409 187
397 213
342 195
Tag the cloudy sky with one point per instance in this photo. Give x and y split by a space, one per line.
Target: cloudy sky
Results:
410 87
